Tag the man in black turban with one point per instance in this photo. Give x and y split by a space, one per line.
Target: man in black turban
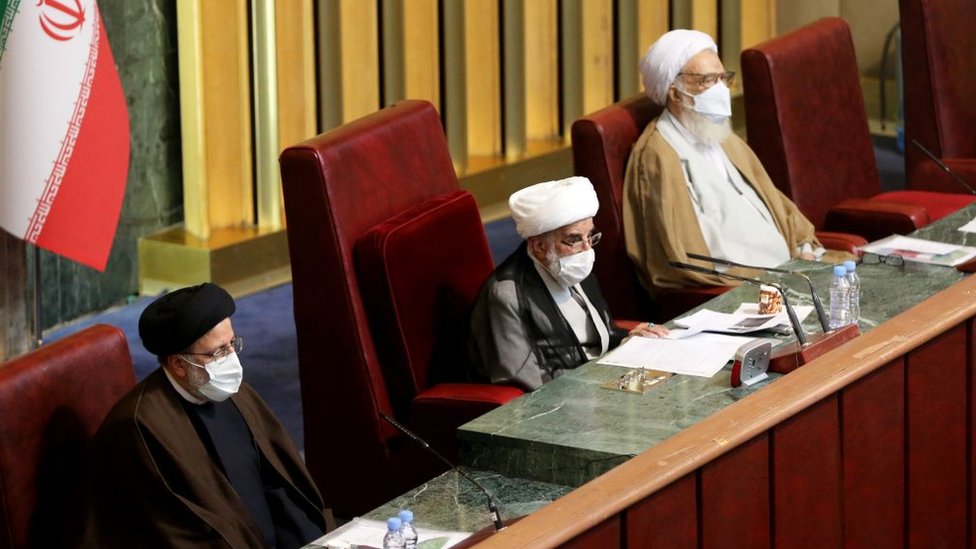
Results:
191 456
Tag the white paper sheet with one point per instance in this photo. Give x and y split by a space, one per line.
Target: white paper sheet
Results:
700 355
921 251
969 227
360 531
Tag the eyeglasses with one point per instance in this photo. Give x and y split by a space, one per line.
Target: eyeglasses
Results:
576 241
894 260
236 345
709 80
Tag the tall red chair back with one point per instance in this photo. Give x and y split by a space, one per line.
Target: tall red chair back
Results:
601 147
52 401
938 44
805 117
337 187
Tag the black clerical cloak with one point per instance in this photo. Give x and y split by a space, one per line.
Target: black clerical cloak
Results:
155 484
518 336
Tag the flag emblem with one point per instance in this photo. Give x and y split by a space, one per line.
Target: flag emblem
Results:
64 153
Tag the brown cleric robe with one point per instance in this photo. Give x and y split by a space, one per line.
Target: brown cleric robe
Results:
155 484
659 219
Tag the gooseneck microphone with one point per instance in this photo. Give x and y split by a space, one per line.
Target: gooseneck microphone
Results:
817 304
495 517
945 168
794 322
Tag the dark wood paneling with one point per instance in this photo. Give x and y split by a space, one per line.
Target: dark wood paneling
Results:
936 383
666 519
734 498
807 478
873 430
971 426
603 536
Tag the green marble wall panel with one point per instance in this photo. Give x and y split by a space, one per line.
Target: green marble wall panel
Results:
142 34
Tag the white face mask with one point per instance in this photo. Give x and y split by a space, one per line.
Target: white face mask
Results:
715 103
570 270
225 377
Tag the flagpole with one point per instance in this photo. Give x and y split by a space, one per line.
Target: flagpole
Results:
38 333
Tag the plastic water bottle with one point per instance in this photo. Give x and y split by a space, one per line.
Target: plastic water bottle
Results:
392 539
840 302
407 530
855 290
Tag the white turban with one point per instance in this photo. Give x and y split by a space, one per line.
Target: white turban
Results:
665 58
546 206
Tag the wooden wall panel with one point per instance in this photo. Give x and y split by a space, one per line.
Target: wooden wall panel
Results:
937 466
873 430
734 498
666 519
807 478
603 536
971 434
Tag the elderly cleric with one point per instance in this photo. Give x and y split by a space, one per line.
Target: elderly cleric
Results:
692 185
191 456
541 312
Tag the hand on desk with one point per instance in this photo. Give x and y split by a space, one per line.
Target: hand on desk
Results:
646 329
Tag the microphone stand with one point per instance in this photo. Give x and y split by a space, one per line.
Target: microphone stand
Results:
817 304
791 356
495 517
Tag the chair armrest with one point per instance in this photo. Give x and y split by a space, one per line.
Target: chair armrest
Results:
437 412
874 219
626 325
844 242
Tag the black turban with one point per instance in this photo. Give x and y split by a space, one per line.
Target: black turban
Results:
173 322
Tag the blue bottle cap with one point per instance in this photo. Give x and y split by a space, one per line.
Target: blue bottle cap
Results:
406 515
839 270
850 265
393 524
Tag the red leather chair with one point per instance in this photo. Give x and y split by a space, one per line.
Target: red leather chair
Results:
52 400
939 83
602 142
806 120
337 187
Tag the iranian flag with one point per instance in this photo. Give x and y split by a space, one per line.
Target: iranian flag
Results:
64 129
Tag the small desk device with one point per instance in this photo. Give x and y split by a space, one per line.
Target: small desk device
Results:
751 363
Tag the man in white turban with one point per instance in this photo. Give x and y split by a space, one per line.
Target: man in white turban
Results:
692 185
541 311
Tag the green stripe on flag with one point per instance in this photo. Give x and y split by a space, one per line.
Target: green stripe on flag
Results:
8 9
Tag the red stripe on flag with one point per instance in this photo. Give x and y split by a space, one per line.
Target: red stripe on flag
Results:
82 221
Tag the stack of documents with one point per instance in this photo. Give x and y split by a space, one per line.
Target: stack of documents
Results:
693 352
921 251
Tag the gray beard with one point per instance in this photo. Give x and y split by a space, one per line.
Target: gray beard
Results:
706 130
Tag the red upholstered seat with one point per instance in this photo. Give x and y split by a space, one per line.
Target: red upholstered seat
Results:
937 39
806 120
52 401
337 186
602 142
419 274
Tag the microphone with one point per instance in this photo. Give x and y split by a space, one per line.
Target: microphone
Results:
794 322
945 168
817 304
495 517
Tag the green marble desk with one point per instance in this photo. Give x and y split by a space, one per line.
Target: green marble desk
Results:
449 502
571 430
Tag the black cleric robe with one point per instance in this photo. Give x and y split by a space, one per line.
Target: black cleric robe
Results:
157 482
